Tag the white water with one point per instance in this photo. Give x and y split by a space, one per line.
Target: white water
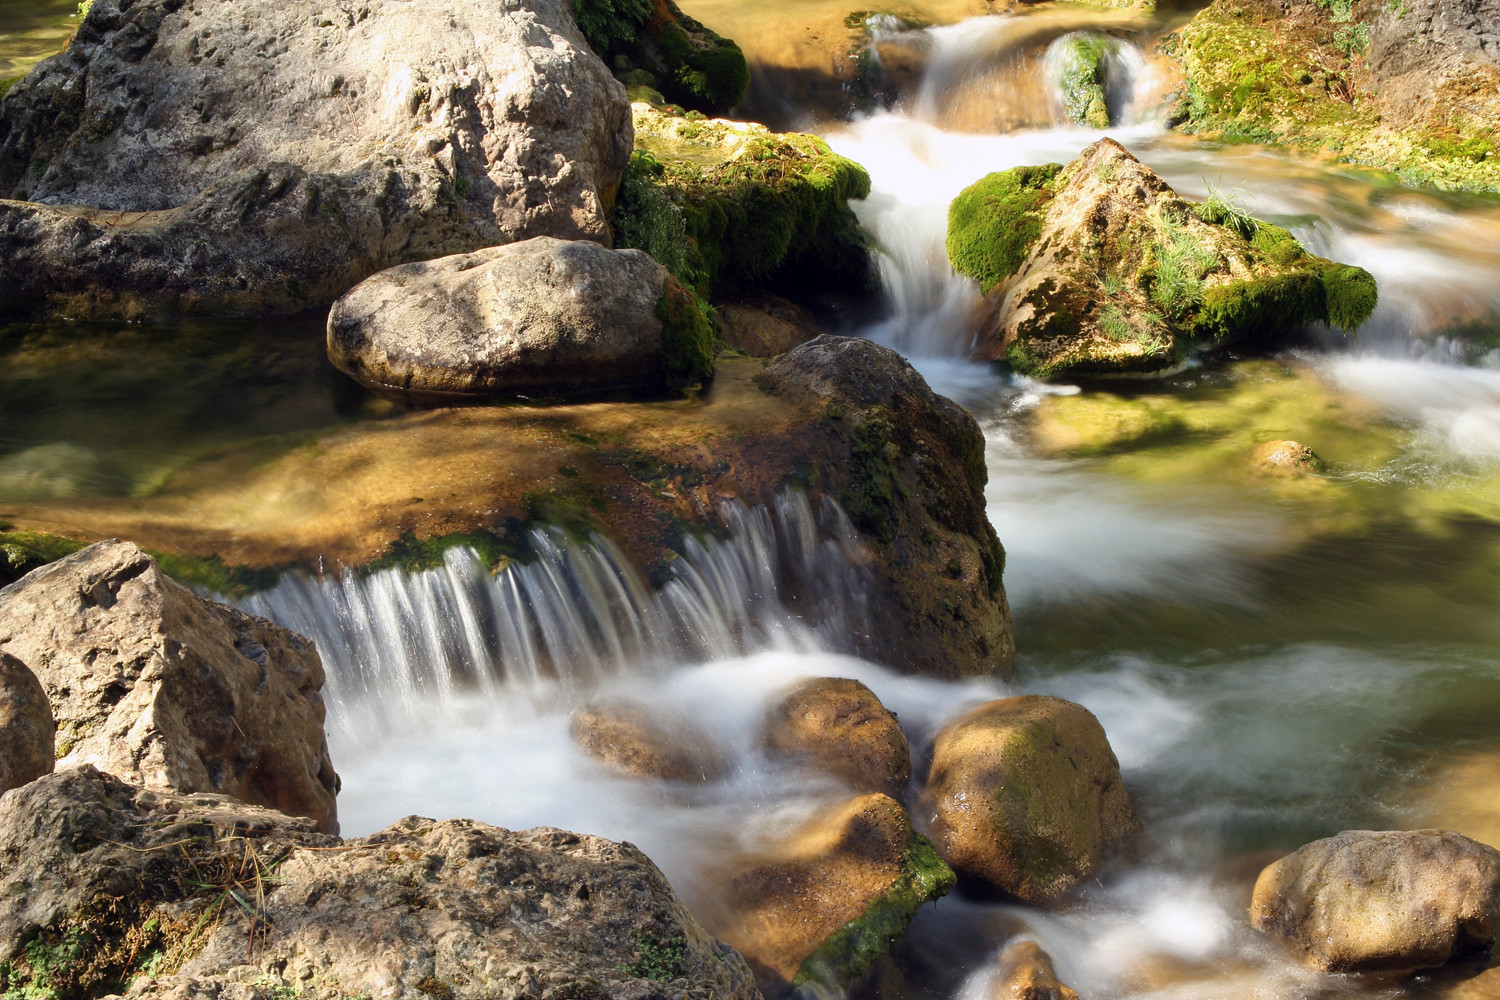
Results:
450 691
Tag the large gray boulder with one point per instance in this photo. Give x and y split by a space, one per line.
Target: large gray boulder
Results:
1024 795
1365 901
157 686
136 883
27 730
262 156
543 315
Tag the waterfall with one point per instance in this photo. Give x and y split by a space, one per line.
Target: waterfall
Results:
788 576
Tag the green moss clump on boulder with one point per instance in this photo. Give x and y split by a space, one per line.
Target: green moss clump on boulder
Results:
729 207
23 551
1079 60
688 341
1112 273
689 63
993 223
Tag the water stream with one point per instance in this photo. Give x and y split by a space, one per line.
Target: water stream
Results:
1274 661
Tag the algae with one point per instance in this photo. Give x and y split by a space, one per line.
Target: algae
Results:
993 223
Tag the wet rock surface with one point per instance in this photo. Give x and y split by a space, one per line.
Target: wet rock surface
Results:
1100 268
829 903
1286 459
155 685
1026 973
540 316
261 157
644 743
1365 901
27 730
839 726
765 325
1023 796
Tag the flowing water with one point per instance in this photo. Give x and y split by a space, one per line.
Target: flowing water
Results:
1274 660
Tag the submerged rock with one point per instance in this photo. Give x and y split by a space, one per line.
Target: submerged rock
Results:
1026 973
838 725
730 207
1023 796
764 325
645 743
27 730
261 157
829 904
457 909
908 467
1286 459
540 316
1412 87
156 685
1100 268
1365 901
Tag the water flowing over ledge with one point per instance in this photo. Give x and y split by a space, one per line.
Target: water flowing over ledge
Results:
785 578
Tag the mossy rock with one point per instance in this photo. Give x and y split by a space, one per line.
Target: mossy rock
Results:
1100 268
731 207
1080 60
688 62
23 551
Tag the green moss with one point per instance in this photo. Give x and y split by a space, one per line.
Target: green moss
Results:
1080 65
1350 295
706 71
1278 245
688 341
607 24
656 958
645 218
993 223
876 491
5 85
23 551
212 574
855 948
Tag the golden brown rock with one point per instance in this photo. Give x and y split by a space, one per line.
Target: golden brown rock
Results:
1026 973
1365 901
1286 459
765 325
838 725
27 730
646 743
1023 796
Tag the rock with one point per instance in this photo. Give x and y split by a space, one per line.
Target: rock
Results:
828 905
655 43
908 467
1100 268
732 207
839 725
1286 459
764 325
1412 87
262 157
156 685
644 743
540 316
27 731
1023 796
1365 901
1080 60
418 910
1026 973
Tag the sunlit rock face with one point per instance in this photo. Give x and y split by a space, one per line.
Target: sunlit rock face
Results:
261 157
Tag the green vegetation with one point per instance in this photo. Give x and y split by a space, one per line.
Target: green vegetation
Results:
23 551
688 341
993 223
5 85
1350 295
774 214
875 492
1227 209
690 63
609 23
1181 259
656 958
855 948
1079 60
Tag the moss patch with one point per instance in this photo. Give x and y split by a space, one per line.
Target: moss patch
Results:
1079 61
855 948
689 62
994 222
688 341
23 551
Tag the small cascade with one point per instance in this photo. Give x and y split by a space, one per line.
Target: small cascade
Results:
786 577
1093 77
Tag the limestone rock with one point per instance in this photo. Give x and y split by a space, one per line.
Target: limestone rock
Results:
765 325
913 484
420 909
1023 796
158 686
1100 268
829 904
1026 973
261 156
542 315
645 743
27 730
1365 901
838 725
1286 459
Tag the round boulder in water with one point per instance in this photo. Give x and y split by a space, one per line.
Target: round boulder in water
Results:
27 729
1023 796
644 743
837 724
540 316
1026 973
1366 901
